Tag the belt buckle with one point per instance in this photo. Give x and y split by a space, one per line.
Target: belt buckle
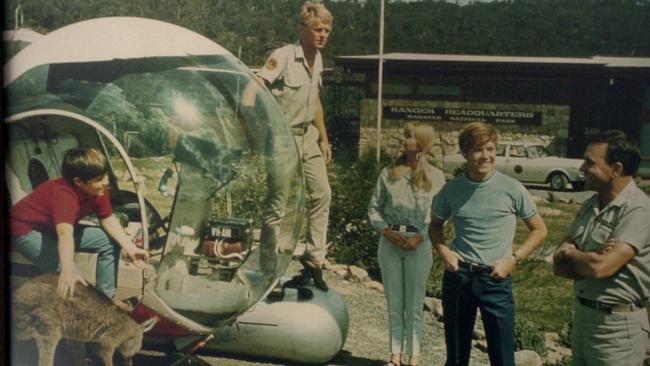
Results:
472 267
402 228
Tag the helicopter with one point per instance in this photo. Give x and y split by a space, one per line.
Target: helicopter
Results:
191 170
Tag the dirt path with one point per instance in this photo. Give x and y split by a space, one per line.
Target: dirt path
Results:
367 340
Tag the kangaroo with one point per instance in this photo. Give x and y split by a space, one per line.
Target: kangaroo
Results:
38 312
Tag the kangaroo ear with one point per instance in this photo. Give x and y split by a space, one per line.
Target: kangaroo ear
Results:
148 324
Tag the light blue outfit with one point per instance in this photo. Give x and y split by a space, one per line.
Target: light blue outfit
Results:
484 215
404 272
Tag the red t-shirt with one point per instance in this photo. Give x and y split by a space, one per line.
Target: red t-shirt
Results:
53 202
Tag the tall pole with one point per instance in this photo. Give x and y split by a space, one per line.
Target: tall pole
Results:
380 84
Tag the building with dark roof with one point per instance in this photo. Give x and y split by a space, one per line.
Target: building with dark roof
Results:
556 101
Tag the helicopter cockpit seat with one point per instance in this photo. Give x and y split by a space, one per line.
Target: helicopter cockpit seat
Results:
32 160
198 296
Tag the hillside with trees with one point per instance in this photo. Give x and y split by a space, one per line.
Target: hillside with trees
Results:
512 27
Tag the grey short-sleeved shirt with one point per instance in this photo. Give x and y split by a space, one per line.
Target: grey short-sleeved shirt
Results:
293 84
484 215
624 219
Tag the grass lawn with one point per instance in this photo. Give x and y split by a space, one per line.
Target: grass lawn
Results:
540 296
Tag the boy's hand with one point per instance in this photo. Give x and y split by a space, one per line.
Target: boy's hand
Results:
449 257
67 281
503 267
138 256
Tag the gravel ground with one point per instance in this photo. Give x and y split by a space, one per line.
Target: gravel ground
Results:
367 342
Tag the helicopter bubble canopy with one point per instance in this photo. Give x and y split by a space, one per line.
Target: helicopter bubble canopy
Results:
199 151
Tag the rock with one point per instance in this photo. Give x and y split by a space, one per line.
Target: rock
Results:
359 274
337 267
555 357
539 200
434 306
549 259
374 285
528 358
478 333
551 337
549 212
343 273
481 345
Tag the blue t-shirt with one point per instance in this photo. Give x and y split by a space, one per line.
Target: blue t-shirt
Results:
484 215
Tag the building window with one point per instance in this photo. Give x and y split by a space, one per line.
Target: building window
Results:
476 90
437 90
393 88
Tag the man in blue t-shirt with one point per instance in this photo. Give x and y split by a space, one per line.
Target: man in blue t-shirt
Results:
483 205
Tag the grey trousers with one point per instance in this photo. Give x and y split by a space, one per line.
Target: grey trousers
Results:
601 339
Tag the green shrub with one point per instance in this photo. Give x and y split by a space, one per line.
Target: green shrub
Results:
355 241
565 335
529 336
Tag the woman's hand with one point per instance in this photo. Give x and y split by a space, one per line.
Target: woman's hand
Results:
396 238
413 242
67 281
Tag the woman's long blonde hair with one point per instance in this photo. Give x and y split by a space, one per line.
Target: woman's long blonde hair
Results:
424 136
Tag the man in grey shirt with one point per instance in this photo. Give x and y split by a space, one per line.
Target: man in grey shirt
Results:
607 254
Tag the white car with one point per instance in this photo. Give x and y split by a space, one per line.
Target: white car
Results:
529 163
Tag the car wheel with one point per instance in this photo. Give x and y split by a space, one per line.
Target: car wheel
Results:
558 181
578 186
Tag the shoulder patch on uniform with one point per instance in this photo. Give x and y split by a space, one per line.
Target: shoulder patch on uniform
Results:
271 64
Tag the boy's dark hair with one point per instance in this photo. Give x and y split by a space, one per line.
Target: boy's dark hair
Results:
620 150
85 163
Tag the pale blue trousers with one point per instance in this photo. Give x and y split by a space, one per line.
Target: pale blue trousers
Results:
42 250
404 275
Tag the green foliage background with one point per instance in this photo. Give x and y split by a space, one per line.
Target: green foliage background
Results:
512 27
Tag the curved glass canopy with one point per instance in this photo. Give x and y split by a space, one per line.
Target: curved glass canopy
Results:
190 133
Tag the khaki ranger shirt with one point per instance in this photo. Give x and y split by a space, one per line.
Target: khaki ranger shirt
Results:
625 219
292 83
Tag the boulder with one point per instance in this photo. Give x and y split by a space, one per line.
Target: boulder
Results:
374 285
359 274
434 306
528 358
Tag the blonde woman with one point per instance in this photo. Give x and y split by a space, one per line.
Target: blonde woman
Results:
400 209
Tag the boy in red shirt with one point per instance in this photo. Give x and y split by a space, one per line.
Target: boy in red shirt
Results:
44 223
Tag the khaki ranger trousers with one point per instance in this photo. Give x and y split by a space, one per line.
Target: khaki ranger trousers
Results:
318 197
319 193
602 339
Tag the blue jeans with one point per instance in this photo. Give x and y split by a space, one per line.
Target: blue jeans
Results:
42 250
462 293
